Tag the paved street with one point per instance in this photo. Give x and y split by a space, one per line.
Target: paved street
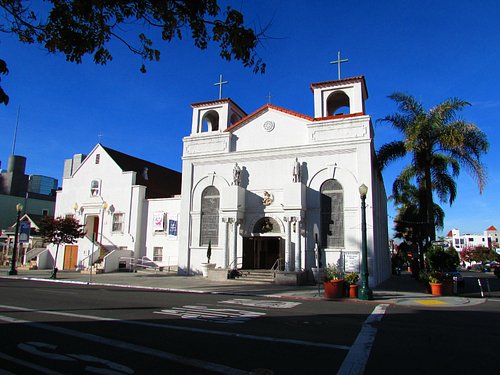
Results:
75 328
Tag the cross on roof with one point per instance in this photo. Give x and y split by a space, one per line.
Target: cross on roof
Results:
269 96
220 83
338 62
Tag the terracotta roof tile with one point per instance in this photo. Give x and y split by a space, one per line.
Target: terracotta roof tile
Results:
218 101
338 82
264 108
339 116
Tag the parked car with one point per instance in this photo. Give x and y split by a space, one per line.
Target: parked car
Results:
497 272
476 268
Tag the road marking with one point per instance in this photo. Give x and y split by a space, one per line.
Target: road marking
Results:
262 304
180 328
355 361
18 361
203 313
118 344
431 302
45 350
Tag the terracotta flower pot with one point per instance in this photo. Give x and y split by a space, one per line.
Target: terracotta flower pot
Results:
353 290
436 289
333 288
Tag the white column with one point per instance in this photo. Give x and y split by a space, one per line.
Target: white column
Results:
288 242
298 243
225 245
235 243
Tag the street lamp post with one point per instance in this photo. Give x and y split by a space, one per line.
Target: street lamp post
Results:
13 270
365 293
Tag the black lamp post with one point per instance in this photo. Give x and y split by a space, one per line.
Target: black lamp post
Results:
365 293
13 270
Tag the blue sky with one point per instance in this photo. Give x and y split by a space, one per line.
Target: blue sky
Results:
432 50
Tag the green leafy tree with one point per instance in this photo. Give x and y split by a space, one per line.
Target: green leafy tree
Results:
439 144
408 224
442 260
77 28
4 98
478 254
58 231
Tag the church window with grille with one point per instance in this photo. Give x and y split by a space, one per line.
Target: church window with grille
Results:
210 199
95 188
332 214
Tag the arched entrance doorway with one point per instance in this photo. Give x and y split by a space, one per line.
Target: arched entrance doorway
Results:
264 247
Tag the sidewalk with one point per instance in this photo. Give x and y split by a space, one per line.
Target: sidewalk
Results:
401 290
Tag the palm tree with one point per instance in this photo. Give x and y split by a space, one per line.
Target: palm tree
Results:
439 144
408 224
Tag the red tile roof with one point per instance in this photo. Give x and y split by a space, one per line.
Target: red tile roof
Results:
263 109
218 101
339 116
289 112
338 82
491 228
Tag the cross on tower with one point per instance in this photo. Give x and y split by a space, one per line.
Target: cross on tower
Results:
338 62
220 83
269 96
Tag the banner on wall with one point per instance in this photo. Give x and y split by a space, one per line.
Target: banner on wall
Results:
24 231
159 221
172 228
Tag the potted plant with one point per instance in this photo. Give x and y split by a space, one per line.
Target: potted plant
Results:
333 281
352 279
436 283
206 266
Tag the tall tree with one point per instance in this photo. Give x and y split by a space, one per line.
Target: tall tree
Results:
58 231
4 98
408 224
78 28
439 144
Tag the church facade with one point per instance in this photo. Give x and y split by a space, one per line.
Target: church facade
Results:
264 190
273 189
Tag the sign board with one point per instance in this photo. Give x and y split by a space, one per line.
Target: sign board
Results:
172 228
24 231
351 261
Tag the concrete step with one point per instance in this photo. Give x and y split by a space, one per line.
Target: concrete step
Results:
257 275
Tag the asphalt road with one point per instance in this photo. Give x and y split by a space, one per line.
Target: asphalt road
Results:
74 329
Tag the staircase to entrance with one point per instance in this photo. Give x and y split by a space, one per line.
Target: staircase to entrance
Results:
264 276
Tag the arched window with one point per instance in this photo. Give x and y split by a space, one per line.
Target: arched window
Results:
210 121
338 104
235 118
209 231
332 214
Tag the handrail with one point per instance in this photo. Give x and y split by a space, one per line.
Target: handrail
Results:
235 260
277 264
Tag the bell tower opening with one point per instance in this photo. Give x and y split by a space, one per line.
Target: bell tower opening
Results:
211 121
338 104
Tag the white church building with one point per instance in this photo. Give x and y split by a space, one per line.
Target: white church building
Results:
263 190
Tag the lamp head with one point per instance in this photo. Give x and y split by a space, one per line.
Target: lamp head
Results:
104 205
363 189
19 207
75 207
